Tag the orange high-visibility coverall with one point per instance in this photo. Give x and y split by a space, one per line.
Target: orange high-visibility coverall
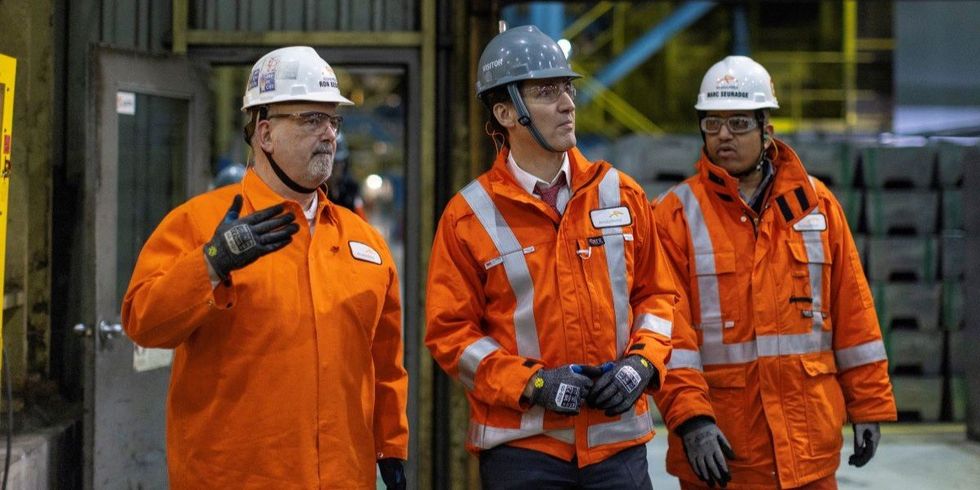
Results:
289 377
776 335
514 288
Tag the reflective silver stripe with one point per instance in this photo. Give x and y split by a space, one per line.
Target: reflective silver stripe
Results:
860 355
766 346
486 436
630 426
616 259
704 267
515 266
564 435
704 254
684 358
471 358
525 330
816 259
654 323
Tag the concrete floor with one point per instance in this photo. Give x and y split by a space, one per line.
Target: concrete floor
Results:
911 456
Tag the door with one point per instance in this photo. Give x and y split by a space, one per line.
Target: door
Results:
147 152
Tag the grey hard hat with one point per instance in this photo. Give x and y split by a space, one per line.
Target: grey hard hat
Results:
520 53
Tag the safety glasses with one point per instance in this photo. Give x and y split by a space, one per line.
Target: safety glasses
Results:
736 124
550 92
313 121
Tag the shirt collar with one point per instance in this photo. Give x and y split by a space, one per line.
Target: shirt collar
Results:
528 181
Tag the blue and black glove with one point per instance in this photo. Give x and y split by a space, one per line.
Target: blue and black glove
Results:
238 242
621 384
393 473
562 389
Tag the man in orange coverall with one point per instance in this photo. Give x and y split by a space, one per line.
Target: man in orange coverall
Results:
288 364
535 279
776 341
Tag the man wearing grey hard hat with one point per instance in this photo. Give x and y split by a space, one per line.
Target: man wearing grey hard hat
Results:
548 297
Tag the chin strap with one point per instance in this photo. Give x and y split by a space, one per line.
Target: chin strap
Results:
524 117
292 184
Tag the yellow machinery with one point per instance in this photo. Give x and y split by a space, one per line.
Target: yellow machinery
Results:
8 69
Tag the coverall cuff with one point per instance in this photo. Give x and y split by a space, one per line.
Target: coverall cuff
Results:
391 451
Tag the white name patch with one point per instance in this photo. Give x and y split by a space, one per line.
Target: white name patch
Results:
364 252
611 217
811 222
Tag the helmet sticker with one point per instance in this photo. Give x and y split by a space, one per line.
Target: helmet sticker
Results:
328 79
272 63
268 82
253 79
289 70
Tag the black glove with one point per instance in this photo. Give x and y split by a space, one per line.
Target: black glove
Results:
706 449
240 241
866 437
393 473
621 385
562 389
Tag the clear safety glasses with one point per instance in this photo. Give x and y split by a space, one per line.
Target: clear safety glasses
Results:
736 124
550 92
313 121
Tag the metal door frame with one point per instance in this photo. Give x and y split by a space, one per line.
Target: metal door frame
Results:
115 70
409 59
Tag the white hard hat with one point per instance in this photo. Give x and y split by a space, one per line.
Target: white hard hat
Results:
736 83
295 73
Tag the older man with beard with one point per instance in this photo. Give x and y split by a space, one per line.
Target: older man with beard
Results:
288 361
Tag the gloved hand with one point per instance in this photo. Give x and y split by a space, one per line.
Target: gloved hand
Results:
706 449
238 242
562 389
393 473
866 437
621 385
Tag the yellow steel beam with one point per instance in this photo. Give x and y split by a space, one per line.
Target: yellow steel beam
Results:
849 49
617 107
179 29
390 39
579 25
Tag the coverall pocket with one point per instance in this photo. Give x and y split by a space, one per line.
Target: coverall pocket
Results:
718 290
824 403
801 292
726 388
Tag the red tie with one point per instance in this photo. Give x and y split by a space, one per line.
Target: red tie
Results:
550 194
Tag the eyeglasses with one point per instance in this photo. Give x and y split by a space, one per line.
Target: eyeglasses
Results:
550 92
736 124
313 121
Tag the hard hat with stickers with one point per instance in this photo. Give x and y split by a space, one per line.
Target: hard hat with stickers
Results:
736 83
296 73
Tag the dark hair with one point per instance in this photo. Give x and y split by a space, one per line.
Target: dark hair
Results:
490 98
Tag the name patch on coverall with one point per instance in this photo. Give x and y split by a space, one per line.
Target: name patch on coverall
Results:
364 253
611 217
811 222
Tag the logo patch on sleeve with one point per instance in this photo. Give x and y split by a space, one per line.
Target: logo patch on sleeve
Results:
611 217
364 253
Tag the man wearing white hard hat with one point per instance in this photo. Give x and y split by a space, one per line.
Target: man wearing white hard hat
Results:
776 340
283 310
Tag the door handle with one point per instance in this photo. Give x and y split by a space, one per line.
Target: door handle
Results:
109 331
106 331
